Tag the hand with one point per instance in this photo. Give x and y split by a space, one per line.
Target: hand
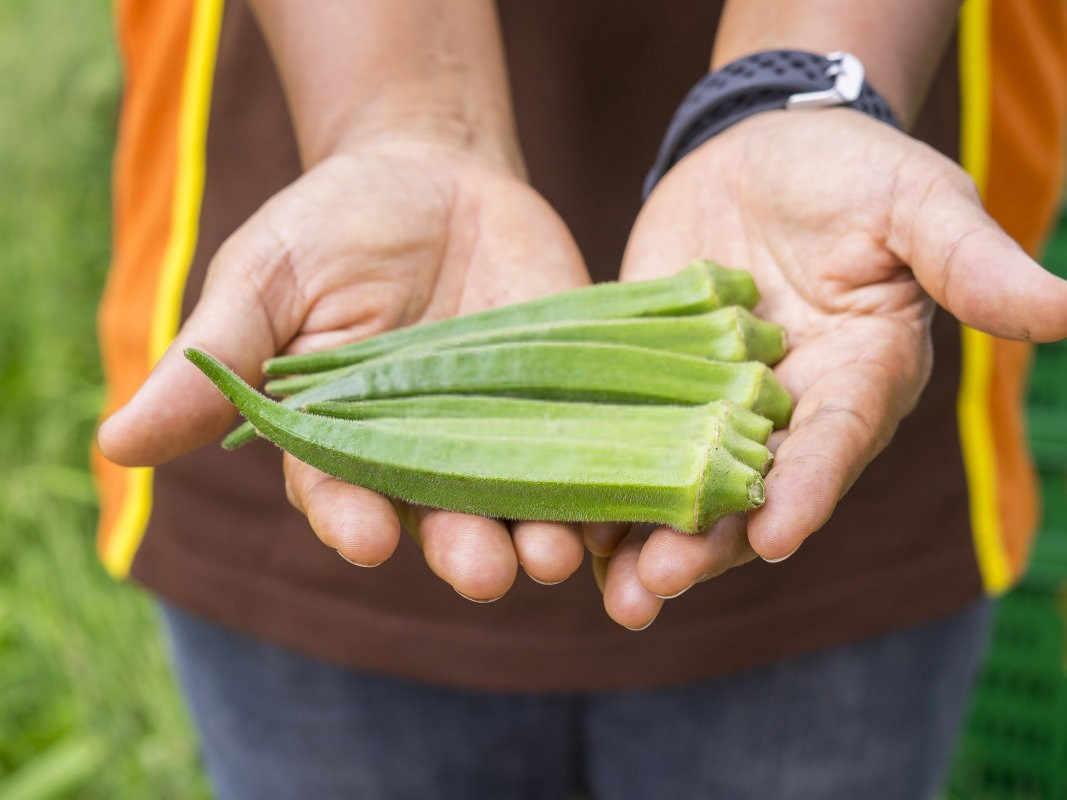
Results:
849 227
387 233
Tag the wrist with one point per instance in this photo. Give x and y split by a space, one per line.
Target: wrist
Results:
793 80
899 44
418 68
444 120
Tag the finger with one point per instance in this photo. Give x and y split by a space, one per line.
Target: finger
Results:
361 525
549 552
601 538
841 422
244 313
474 555
626 599
966 262
672 562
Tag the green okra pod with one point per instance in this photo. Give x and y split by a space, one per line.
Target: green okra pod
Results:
443 406
729 334
563 371
687 485
556 370
700 427
702 286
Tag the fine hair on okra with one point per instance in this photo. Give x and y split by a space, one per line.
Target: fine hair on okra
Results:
687 482
728 334
701 286
747 422
556 370
744 433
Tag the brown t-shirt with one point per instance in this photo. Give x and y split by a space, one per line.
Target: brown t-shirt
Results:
594 85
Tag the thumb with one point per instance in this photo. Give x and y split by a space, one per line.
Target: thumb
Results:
177 409
968 264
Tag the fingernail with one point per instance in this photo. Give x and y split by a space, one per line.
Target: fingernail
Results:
707 576
783 558
547 583
635 630
677 594
356 563
475 599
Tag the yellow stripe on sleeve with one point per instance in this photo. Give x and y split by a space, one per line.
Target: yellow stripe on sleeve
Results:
975 423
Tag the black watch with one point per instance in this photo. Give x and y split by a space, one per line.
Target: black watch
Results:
773 79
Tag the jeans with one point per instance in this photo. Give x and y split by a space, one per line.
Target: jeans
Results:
875 719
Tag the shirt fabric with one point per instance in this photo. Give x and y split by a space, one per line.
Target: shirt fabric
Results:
205 138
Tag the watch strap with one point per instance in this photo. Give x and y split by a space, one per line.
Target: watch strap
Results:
764 81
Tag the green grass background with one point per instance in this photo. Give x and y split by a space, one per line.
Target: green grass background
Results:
88 708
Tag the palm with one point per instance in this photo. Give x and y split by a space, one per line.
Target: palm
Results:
397 235
856 316
387 236
846 225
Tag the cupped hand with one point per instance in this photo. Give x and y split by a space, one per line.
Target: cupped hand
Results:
852 231
388 233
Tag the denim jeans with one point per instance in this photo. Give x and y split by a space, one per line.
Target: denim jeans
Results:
875 720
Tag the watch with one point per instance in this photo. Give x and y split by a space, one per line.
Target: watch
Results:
765 81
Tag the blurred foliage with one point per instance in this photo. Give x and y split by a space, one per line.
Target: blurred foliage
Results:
87 705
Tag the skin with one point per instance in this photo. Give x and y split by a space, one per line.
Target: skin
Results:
414 206
852 231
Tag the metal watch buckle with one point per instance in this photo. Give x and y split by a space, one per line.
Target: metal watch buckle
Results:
847 72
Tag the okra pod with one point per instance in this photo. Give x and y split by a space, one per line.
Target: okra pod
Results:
701 286
687 485
746 422
729 334
556 370
563 371
700 427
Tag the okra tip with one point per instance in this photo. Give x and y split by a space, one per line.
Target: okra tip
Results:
203 361
221 375
215 371
238 437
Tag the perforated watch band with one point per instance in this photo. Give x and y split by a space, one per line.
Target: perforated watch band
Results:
773 79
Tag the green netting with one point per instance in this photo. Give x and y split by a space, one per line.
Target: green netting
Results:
1047 401
1014 744
1015 741
1048 560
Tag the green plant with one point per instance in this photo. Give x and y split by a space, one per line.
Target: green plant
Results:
88 707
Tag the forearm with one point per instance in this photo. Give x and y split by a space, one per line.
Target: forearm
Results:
355 70
900 43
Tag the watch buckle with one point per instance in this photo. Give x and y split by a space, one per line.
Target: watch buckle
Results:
847 72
